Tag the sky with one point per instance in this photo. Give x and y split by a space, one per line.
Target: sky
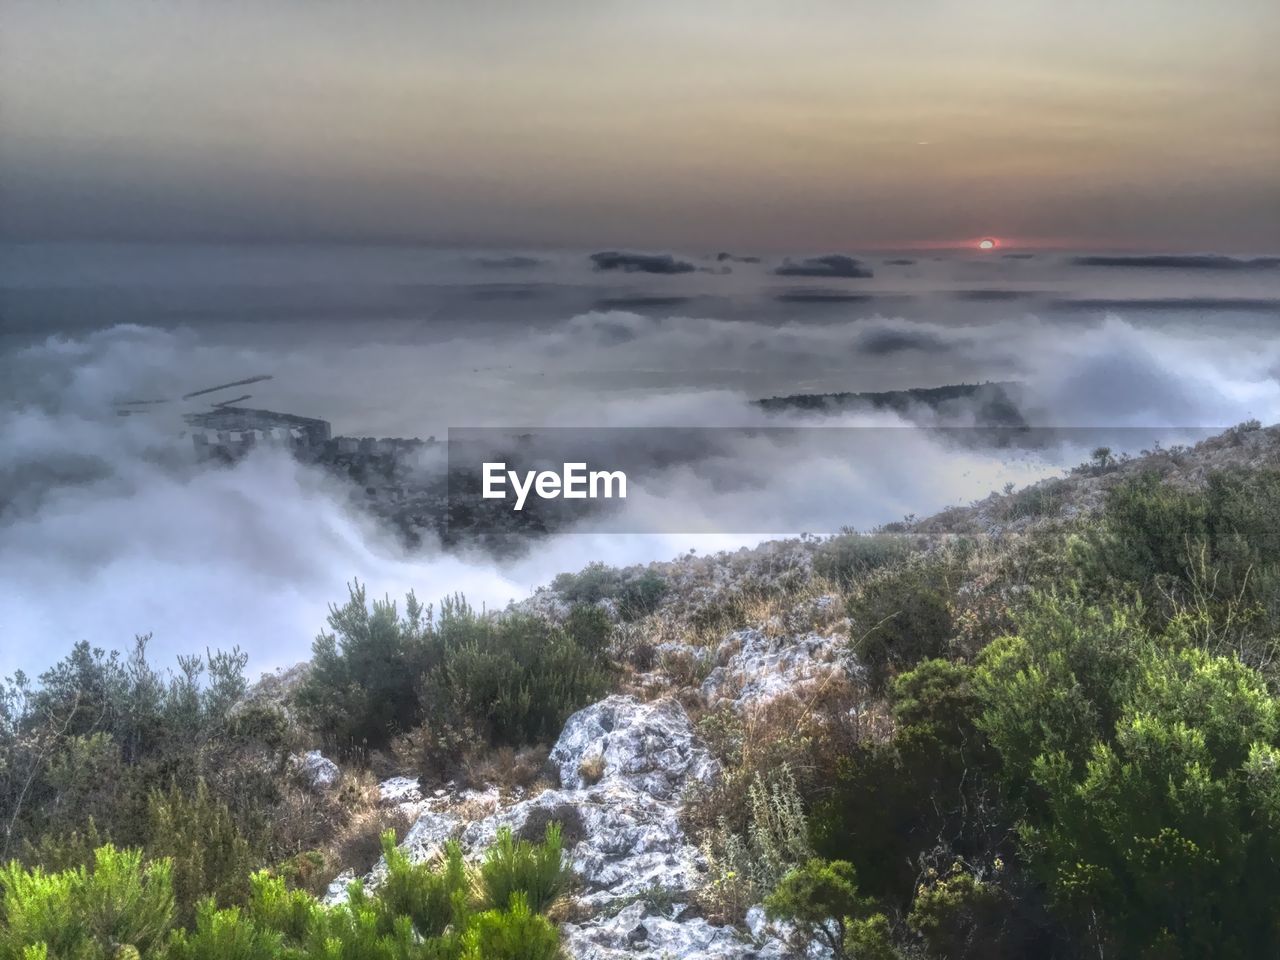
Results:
797 125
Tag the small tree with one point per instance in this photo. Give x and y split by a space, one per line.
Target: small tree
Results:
821 899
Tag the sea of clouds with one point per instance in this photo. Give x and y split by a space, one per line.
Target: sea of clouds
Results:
109 527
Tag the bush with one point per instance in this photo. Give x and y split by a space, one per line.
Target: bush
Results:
123 908
535 871
590 628
225 935
513 680
635 592
1043 499
961 916
100 732
1149 777
848 557
902 615
820 898
1212 555
450 684
362 686
516 933
430 898
210 856
891 801
87 911
743 866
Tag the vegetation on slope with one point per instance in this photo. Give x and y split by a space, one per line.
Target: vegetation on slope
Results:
120 905
1063 742
1080 753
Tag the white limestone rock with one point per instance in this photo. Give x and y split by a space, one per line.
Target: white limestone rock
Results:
400 790
765 667
319 771
650 747
336 892
624 766
639 931
427 837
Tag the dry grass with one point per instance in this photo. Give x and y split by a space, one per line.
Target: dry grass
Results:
506 768
591 769
359 845
807 728
477 807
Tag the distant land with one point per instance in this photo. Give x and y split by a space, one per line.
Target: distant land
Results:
988 404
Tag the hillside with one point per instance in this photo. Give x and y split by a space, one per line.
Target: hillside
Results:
1043 724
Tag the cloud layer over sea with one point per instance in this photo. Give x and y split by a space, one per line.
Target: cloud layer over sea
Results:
109 527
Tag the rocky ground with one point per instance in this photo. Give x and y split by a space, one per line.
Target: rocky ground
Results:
621 769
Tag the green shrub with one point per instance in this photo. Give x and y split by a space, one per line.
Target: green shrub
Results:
743 866
225 935
515 680
535 871
516 933
891 801
273 906
304 871
362 686
57 852
935 699
590 628
428 895
1212 555
848 557
122 909
87 911
636 593
1043 499
100 732
903 614
960 916
505 680
210 856
821 899
1148 777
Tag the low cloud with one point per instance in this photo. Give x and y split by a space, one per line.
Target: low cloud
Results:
1180 262
884 341
822 296
505 291
110 528
640 262
640 303
993 295
1206 304
832 265
514 262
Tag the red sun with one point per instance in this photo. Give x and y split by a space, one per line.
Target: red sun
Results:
988 243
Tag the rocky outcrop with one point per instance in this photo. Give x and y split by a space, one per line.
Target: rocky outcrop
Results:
622 767
643 930
764 667
317 770
646 747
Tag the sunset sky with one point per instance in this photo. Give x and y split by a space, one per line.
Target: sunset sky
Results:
790 125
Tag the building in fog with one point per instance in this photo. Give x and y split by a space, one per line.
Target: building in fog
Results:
231 432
